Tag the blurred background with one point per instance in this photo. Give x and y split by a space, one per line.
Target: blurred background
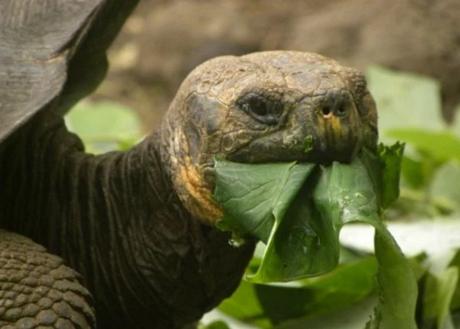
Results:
410 53
163 40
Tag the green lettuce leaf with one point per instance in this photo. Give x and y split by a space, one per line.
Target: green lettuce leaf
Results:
298 212
345 194
254 196
397 285
266 306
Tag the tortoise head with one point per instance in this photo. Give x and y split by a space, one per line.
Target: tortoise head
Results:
263 107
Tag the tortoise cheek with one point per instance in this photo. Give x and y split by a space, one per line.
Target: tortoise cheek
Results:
202 126
196 194
206 114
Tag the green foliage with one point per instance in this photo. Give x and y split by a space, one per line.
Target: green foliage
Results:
441 146
307 214
398 286
405 100
271 305
257 194
214 325
104 126
444 190
410 111
439 290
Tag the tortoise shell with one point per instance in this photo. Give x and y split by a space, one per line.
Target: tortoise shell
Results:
52 52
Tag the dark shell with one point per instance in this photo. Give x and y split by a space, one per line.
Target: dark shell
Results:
52 51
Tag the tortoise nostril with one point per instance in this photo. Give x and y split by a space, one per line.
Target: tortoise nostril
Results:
340 111
326 111
335 104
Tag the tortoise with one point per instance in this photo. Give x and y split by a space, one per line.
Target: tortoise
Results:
134 232
130 236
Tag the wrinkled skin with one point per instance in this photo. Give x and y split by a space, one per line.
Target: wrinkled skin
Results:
264 107
138 225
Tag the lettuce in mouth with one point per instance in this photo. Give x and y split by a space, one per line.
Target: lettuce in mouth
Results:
298 209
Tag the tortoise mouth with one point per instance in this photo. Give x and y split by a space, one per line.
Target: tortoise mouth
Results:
315 141
314 152
323 149
205 200
316 155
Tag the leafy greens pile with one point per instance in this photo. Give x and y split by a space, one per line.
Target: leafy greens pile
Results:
298 209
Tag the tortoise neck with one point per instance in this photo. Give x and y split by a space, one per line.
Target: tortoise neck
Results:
95 211
116 219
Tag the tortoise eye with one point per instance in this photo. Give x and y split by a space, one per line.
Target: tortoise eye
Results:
260 108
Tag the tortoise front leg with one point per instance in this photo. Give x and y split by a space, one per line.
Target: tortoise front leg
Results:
37 290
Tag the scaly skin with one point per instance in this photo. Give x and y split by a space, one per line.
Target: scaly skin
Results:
138 226
37 289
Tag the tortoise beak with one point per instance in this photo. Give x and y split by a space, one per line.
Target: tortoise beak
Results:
323 129
338 129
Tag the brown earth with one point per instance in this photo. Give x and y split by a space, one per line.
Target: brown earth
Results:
164 40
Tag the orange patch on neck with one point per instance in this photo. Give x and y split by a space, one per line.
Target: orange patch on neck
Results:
199 200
